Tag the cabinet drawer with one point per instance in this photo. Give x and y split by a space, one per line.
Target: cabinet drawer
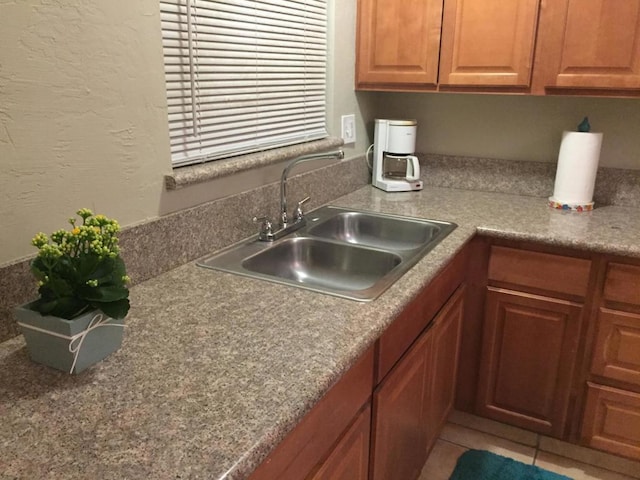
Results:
616 354
622 283
612 421
540 271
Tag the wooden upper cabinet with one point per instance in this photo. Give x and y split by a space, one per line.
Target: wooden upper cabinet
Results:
488 42
398 43
589 44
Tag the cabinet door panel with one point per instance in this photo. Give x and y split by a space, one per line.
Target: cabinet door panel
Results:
400 416
616 353
488 42
528 356
612 421
591 44
446 344
398 42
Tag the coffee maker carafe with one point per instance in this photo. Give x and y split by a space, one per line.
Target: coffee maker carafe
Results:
395 168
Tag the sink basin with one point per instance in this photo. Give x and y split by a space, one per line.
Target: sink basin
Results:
326 265
380 231
342 252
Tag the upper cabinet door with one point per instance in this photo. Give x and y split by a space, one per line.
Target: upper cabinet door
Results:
488 42
590 44
398 43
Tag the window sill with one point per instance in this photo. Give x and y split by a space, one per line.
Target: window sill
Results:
194 174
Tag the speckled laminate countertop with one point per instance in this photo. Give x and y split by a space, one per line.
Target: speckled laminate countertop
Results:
215 369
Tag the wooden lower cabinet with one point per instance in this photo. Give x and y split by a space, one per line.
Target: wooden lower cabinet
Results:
612 420
616 353
446 347
413 401
529 351
302 452
400 416
349 459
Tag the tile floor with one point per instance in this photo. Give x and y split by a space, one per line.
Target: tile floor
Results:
465 431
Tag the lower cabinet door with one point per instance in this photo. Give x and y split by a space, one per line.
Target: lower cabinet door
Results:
446 343
612 421
349 459
529 350
400 416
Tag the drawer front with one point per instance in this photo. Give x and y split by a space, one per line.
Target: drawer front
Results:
623 283
540 271
616 354
612 421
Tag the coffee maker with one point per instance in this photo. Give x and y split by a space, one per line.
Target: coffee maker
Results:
395 168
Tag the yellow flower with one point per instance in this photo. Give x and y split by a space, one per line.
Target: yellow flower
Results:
76 231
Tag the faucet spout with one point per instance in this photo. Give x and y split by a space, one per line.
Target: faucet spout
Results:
336 154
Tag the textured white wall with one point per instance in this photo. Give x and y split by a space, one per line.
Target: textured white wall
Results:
82 114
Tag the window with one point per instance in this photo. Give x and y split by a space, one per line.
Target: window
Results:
243 75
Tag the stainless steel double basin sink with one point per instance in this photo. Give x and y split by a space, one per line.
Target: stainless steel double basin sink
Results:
343 252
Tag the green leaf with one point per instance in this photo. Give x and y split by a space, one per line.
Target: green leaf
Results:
87 266
59 287
107 293
67 307
117 309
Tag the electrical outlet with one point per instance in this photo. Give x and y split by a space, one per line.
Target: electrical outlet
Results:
349 128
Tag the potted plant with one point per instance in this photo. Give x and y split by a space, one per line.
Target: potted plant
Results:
79 317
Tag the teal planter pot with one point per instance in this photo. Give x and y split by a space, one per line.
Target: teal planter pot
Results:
69 345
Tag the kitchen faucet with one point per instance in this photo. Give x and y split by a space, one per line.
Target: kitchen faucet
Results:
266 233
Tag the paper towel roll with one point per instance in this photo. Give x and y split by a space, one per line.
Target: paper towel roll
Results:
577 167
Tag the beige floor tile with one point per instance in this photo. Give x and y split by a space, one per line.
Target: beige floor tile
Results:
469 438
574 469
442 461
498 429
590 456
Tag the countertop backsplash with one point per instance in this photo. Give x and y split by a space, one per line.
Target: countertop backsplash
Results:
614 186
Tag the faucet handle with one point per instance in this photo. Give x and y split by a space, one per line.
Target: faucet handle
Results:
266 227
298 214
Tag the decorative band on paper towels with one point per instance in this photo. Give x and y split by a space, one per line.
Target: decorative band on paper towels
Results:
576 207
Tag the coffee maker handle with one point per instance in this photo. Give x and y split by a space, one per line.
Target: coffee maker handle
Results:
413 168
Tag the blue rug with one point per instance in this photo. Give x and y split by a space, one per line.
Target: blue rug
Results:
483 465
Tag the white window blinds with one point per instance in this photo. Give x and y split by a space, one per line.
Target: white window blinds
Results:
243 75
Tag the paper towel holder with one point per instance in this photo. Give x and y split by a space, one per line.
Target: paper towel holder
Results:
577 168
